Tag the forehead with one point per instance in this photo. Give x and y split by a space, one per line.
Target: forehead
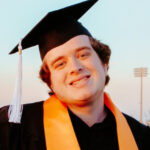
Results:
68 47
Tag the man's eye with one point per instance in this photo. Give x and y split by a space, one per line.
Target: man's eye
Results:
84 55
59 65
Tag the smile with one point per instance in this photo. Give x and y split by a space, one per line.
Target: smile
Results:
80 81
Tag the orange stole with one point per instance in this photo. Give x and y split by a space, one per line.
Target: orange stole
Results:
59 132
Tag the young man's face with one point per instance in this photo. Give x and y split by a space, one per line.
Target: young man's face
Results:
77 73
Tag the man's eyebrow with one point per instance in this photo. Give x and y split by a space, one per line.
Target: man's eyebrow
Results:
82 48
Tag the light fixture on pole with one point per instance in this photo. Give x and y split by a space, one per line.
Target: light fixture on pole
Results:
141 72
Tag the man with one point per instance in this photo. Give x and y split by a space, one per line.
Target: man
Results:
78 115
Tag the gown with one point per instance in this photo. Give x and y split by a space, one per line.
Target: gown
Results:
29 135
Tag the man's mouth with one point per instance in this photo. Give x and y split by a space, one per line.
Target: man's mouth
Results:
80 80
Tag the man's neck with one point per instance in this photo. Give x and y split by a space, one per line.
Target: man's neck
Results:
93 112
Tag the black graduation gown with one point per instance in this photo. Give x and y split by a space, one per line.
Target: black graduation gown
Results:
29 135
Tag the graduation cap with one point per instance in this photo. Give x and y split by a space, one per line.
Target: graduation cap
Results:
56 28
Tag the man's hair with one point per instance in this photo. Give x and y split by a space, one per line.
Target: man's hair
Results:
101 49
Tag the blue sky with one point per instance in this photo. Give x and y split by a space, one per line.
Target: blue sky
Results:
123 25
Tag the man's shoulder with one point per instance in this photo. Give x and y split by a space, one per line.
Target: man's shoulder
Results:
136 124
28 109
4 114
33 106
32 111
140 131
30 129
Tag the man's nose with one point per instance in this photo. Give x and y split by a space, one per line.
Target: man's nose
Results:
75 67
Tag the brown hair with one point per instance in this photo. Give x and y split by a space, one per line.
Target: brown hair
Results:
101 49
103 52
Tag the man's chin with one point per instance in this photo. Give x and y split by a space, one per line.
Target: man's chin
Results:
81 100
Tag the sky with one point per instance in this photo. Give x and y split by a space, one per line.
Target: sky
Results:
123 25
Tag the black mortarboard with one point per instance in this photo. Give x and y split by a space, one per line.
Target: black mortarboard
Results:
56 28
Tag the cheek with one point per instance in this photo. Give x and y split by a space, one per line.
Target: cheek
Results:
93 64
57 79
97 68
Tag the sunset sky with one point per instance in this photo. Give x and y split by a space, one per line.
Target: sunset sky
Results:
122 24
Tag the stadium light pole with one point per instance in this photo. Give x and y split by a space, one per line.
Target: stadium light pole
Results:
141 72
